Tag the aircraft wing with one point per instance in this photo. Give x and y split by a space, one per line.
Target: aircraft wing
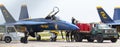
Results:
113 23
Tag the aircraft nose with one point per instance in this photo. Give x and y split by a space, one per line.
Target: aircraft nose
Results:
66 26
73 27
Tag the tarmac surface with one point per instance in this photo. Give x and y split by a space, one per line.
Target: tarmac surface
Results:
60 43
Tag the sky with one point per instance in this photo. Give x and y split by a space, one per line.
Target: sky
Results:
83 10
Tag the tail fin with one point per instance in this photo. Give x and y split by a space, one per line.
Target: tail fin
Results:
23 13
116 16
104 16
7 16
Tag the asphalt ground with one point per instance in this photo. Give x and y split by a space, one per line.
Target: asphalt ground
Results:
60 43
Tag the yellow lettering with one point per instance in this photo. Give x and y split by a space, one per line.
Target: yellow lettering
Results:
103 14
44 26
6 14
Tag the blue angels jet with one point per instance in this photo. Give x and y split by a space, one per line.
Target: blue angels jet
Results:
105 18
36 25
51 18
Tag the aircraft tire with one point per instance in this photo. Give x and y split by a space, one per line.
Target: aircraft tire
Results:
23 40
38 37
52 39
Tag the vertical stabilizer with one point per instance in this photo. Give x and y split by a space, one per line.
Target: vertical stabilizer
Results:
7 16
24 12
116 16
103 15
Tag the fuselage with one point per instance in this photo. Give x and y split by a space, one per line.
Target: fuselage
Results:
54 24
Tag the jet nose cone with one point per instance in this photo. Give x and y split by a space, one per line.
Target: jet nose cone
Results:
74 27
66 26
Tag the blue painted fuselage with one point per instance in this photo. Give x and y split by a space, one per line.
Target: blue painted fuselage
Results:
52 24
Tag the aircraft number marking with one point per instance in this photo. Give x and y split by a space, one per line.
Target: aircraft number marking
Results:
5 13
103 14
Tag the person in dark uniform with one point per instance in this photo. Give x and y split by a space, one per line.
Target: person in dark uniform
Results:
73 20
70 33
67 36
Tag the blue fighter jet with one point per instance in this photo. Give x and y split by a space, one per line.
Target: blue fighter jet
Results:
49 19
36 25
105 18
